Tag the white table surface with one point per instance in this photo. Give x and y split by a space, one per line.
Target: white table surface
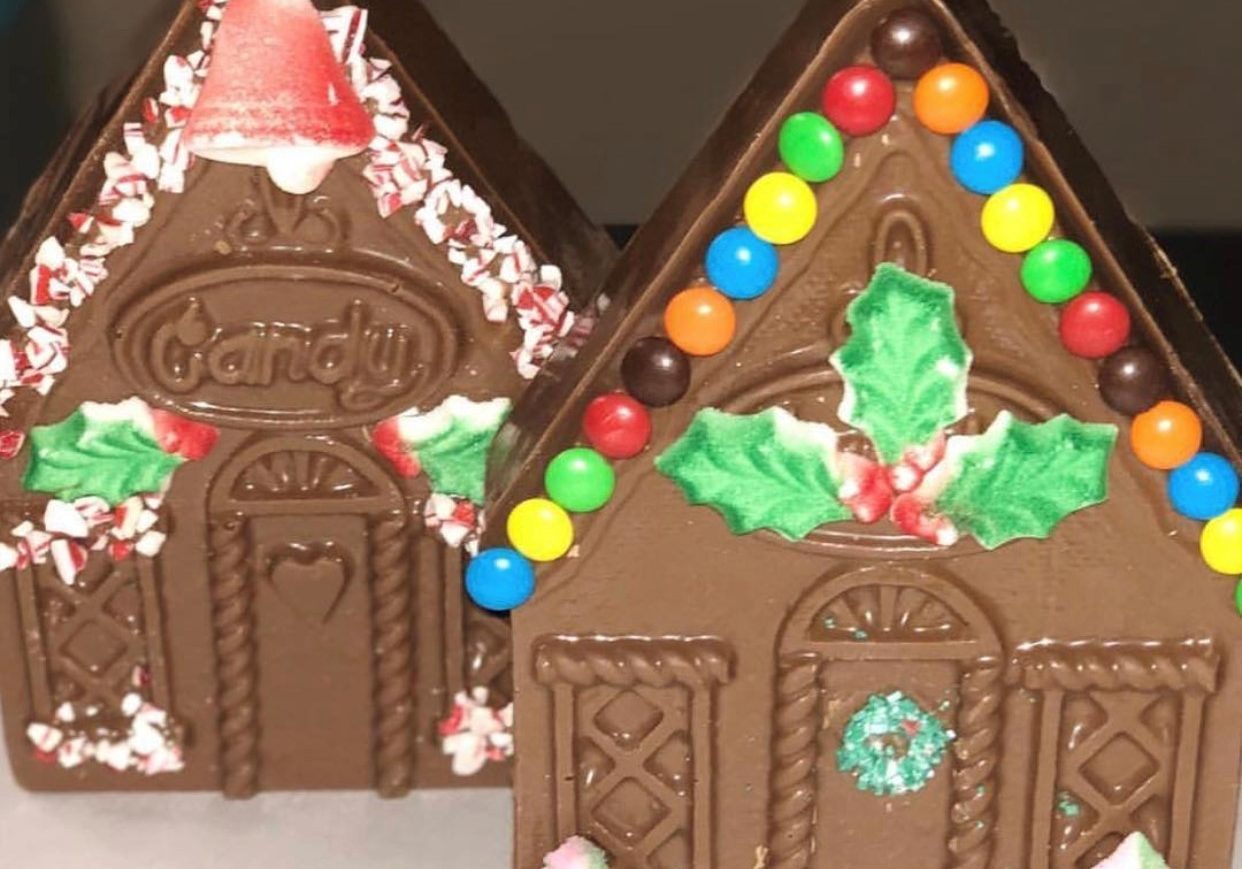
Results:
429 830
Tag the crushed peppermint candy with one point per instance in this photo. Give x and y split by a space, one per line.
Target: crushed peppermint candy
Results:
143 738
405 169
475 733
70 531
458 521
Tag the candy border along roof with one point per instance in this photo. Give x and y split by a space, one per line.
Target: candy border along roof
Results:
403 169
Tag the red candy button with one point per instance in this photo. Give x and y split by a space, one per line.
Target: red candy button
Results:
860 100
617 426
1094 325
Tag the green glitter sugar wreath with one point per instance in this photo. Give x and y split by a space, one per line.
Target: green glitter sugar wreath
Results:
892 746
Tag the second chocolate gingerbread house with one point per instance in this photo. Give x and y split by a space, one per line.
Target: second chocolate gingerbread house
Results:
883 521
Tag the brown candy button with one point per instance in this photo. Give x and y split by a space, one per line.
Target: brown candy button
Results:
1132 380
656 372
906 44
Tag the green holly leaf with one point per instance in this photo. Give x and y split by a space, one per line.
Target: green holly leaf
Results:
85 455
905 364
766 470
452 443
1020 480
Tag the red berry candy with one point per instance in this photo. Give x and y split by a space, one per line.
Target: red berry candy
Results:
1095 325
183 437
860 100
617 426
386 438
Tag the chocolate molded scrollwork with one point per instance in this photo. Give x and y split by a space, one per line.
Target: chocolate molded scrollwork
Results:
1188 666
623 663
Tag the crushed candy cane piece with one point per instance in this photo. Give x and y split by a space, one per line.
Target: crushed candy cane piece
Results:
457 520
11 443
475 733
142 739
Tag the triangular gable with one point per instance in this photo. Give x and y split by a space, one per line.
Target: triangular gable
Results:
138 159
668 253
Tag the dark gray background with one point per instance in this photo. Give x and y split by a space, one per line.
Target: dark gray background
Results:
619 94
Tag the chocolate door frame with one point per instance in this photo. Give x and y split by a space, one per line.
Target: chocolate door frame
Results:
232 598
803 664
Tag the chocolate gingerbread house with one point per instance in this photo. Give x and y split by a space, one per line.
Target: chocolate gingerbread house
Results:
264 317
886 569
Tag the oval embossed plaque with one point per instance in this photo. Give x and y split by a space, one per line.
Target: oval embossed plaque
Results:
280 346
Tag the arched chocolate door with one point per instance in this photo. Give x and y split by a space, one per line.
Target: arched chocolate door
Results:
871 634
311 591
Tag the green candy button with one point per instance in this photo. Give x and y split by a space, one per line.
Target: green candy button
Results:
1056 271
580 480
812 147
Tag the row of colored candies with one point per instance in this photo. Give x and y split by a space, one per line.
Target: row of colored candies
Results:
742 263
987 157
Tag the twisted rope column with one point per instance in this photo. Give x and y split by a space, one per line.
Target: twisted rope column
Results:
795 753
394 671
232 599
976 752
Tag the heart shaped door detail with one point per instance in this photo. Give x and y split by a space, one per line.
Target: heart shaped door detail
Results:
310 578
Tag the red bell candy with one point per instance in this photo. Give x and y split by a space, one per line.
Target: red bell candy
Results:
617 426
1095 325
860 100
277 97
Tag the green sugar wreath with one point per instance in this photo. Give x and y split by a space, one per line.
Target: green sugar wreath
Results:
892 745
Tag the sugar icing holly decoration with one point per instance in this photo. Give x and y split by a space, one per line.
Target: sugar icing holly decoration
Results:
1135 852
768 470
113 451
276 96
905 364
892 746
449 444
905 369
1022 480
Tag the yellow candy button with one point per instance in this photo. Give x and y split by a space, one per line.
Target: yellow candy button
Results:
781 208
540 530
1221 542
1018 218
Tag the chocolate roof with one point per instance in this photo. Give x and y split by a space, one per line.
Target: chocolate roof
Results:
486 151
664 255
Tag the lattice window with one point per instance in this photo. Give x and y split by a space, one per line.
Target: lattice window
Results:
636 775
1118 745
84 642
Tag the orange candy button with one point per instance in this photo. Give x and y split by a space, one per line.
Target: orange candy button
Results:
700 321
1167 436
951 98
